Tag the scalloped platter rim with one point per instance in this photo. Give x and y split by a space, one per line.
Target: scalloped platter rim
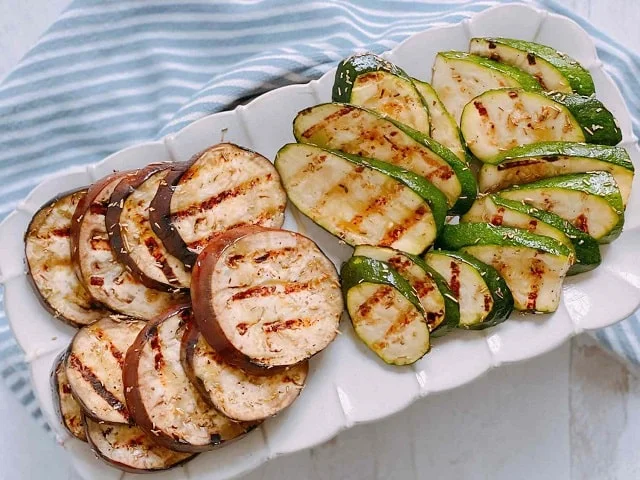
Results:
338 397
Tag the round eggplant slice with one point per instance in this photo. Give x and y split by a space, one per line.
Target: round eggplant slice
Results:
128 448
107 280
265 298
223 187
132 239
238 395
48 253
162 399
66 406
94 367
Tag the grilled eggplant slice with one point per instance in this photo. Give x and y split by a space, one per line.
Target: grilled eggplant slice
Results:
223 187
238 395
105 278
483 296
444 128
499 120
94 367
533 266
130 449
358 131
529 163
554 71
501 211
362 201
48 254
265 299
374 83
590 201
131 237
459 77
438 302
160 397
67 407
385 311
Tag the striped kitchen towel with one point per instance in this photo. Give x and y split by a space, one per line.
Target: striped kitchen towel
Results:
111 74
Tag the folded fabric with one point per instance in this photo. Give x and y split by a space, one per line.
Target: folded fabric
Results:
111 74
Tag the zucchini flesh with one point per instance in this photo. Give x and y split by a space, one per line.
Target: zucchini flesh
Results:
385 311
499 120
459 77
372 82
444 128
550 159
358 131
356 203
441 315
590 201
554 71
533 266
483 296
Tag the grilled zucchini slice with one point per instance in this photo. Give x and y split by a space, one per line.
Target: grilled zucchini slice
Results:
105 278
372 82
533 162
459 77
66 406
555 71
49 265
499 120
160 397
444 128
385 311
265 299
501 211
358 131
438 302
362 201
483 296
94 367
533 266
231 391
223 187
131 237
590 201
128 448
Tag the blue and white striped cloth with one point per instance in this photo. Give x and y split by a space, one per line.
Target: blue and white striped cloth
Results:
109 74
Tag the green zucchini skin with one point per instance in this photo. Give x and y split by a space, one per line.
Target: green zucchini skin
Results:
358 270
598 124
578 78
601 184
396 97
465 176
420 187
500 292
586 247
455 237
444 128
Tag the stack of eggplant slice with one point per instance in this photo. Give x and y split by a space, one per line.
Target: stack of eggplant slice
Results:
552 187
197 315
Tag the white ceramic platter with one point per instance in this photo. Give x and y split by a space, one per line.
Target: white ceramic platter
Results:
348 384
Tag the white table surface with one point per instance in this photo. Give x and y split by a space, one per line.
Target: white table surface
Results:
570 414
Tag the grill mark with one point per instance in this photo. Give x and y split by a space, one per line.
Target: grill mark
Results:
533 224
311 167
498 218
156 251
291 324
221 197
404 321
99 244
482 111
399 230
454 283
319 125
487 303
582 223
96 281
518 163
531 58
66 389
377 205
115 353
259 291
98 208
537 270
158 357
365 308
260 257
62 232
441 171
339 188
98 386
